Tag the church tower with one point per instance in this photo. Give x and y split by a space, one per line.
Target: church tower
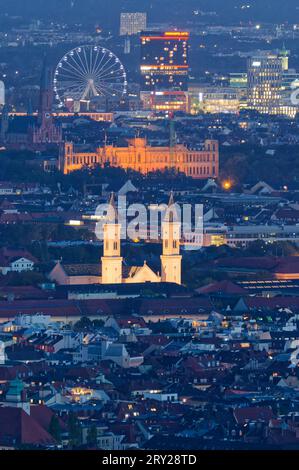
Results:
16 396
171 259
111 260
46 95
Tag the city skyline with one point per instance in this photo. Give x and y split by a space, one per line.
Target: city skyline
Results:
149 231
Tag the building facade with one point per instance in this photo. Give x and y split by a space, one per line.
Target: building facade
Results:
169 101
164 60
268 79
141 157
215 100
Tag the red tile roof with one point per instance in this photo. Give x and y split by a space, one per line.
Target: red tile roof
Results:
127 322
175 306
31 307
272 303
61 307
17 427
7 256
287 214
43 416
244 415
23 292
114 307
11 372
222 287
288 265
285 264
158 340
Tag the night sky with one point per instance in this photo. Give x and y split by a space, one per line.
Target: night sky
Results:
228 11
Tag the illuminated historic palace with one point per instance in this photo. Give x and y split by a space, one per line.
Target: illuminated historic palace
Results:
141 157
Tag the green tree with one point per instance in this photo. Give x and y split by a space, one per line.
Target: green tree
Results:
98 323
164 327
92 435
84 324
75 435
29 278
54 428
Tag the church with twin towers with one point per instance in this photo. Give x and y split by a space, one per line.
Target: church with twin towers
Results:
113 270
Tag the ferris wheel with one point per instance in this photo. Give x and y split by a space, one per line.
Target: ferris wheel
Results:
87 72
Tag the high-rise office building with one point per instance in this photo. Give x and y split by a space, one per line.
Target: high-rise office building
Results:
264 83
268 76
164 61
132 23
